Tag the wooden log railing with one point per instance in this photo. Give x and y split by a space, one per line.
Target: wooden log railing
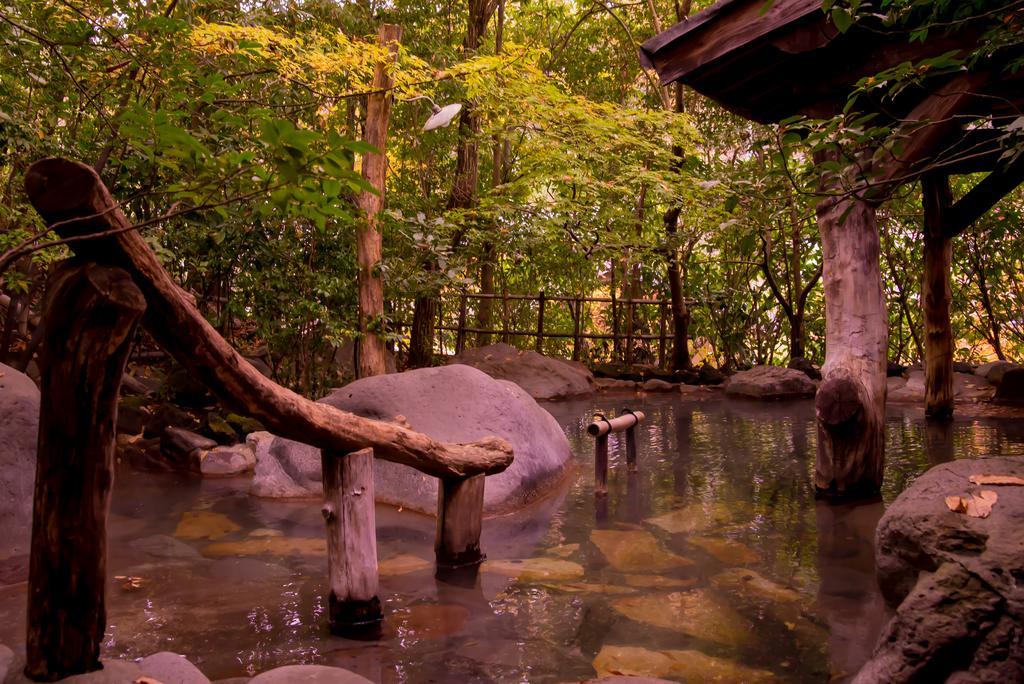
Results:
599 429
118 280
458 325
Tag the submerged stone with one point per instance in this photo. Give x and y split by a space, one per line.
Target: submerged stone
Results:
591 588
689 666
635 551
428 621
727 551
403 564
697 613
204 525
696 517
171 668
536 569
274 546
659 582
751 584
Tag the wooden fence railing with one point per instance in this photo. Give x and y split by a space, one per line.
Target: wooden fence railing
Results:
616 327
93 306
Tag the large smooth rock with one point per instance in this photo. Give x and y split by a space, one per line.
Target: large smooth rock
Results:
955 581
993 371
1011 387
309 674
113 672
966 387
541 376
452 404
19 429
771 383
171 668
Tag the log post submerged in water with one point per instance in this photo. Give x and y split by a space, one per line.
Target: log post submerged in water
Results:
354 607
936 295
91 316
460 510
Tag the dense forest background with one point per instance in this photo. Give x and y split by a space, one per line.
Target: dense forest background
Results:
231 132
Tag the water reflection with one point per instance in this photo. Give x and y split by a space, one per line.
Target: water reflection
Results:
721 506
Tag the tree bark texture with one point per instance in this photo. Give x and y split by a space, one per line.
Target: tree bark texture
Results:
372 353
351 522
936 296
851 400
64 192
91 316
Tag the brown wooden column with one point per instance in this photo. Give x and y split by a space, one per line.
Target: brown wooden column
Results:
936 295
91 316
851 399
348 510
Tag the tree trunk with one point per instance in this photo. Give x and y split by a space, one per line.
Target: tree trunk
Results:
91 316
372 353
797 335
680 311
936 295
851 400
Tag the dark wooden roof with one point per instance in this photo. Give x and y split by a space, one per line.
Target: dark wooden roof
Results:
790 59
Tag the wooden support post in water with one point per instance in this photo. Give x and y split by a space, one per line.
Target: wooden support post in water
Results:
631 448
601 465
540 322
936 295
91 316
354 607
460 336
460 511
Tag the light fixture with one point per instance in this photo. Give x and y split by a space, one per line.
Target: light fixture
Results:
440 116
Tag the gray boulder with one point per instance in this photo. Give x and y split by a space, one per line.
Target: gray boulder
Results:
171 668
452 404
993 371
953 579
770 383
656 385
228 461
806 367
309 674
1011 387
19 428
543 377
614 384
966 387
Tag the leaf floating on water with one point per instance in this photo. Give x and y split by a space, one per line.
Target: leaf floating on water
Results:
997 480
974 505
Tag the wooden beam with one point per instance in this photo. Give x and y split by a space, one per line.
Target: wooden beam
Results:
91 316
983 196
71 197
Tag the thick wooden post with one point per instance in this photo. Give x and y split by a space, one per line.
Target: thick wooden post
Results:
91 316
577 328
460 336
353 606
851 400
631 449
936 295
460 510
372 354
601 465
540 322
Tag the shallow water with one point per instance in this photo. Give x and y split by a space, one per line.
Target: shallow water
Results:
749 569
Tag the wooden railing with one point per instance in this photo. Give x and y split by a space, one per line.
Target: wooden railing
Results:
94 304
454 311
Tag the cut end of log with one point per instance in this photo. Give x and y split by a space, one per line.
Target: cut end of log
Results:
60 188
838 402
